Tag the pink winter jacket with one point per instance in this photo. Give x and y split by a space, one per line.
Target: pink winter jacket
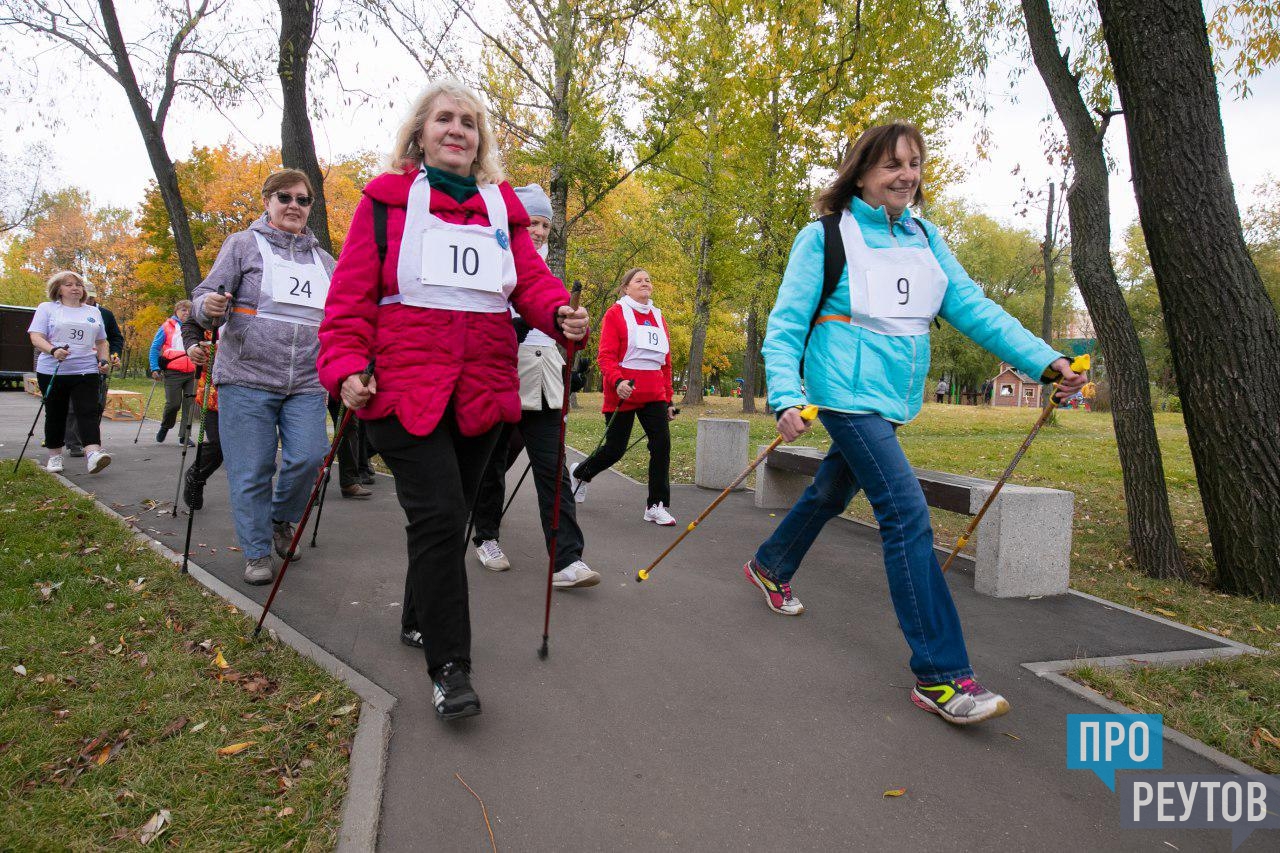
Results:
427 358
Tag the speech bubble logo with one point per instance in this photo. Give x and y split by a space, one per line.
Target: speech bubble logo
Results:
1105 743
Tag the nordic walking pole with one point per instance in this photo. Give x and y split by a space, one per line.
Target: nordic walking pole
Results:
204 413
145 409
306 513
182 460
32 432
808 413
608 422
1079 365
515 491
575 296
324 490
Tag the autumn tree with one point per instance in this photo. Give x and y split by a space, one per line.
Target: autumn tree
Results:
181 54
1224 332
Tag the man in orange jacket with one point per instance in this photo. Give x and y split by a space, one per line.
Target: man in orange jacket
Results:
170 363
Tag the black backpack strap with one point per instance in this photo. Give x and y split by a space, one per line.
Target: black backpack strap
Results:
380 230
833 262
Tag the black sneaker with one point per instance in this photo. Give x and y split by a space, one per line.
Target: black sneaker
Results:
75 451
161 433
192 491
411 637
452 692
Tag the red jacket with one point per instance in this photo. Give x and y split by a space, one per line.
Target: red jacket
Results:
175 357
650 385
428 358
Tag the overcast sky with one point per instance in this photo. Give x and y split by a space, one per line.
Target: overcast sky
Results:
98 146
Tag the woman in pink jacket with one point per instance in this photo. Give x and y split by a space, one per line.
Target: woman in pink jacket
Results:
438 246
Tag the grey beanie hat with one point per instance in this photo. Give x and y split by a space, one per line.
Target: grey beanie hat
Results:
535 201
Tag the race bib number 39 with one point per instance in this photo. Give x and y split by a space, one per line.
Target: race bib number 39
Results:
455 258
902 292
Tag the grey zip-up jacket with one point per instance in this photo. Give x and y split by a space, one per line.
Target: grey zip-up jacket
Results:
253 351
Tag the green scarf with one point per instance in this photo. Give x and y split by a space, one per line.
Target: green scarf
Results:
458 187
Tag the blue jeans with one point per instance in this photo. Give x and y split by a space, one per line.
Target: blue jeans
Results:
865 454
252 423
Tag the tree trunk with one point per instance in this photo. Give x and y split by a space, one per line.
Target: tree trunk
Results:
153 138
297 144
701 316
1046 251
751 360
1224 333
1151 533
558 191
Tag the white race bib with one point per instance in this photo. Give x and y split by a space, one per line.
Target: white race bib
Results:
78 334
651 338
469 258
297 284
904 292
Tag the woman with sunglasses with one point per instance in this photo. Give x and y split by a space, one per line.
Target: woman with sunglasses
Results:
276 279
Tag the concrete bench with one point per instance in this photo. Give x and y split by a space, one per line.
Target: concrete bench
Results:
722 451
1023 542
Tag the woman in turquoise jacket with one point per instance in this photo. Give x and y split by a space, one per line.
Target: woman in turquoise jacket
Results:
865 358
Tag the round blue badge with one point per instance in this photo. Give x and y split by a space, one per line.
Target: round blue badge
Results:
909 225
501 237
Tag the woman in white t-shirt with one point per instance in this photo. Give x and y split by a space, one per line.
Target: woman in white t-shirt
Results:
72 343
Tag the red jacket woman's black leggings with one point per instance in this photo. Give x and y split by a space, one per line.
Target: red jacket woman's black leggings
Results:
436 480
656 425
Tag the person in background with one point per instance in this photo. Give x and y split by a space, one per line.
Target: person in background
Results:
353 461
866 361
115 345
169 362
269 393
541 368
199 343
940 392
73 357
635 360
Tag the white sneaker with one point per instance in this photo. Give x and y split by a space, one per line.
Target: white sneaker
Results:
576 574
98 460
54 465
491 557
578 487
658 515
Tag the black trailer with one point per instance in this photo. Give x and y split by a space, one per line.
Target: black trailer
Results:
17 355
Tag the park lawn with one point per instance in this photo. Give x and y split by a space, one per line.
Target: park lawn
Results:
121 680
1233 705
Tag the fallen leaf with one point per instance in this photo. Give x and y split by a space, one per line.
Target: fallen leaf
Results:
343 711
20 669
895 792
284 812
1168 614
219 661
173 728
198 726
236 748
1266 735
1011 735
152 829
313 700
103 756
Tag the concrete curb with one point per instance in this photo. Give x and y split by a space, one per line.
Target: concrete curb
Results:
362 806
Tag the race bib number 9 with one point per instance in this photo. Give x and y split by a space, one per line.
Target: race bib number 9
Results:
455 258
903 292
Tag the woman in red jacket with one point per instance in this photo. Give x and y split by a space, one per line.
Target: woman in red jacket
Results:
437 247
635 360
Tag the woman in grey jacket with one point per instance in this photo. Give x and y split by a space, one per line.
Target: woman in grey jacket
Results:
276 279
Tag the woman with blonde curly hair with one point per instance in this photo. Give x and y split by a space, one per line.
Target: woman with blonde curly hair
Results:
438 248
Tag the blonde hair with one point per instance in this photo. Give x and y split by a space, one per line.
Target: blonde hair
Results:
407 153
64 277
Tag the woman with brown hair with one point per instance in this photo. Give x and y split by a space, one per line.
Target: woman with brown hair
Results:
275 278
635 361
863 340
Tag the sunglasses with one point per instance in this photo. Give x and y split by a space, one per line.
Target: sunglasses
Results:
290 198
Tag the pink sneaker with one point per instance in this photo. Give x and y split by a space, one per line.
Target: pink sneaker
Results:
777 595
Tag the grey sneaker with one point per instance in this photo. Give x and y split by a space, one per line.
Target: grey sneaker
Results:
282 538
260 571
962 701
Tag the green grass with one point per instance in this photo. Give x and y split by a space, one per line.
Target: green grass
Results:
1231 704
123 707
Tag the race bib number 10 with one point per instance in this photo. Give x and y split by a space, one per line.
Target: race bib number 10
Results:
453 258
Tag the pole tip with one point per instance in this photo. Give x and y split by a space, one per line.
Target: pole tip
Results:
543 651
257 629
642 575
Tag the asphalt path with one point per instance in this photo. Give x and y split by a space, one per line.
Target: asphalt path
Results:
681 713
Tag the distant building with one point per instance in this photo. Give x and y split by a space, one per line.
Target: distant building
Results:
1014 388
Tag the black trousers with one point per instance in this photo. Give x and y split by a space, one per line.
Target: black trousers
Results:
209 455
653 418
353 460
73 431
539 434
436 480
79 390
179 394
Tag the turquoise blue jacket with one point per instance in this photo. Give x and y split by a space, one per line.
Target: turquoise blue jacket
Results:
851 369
